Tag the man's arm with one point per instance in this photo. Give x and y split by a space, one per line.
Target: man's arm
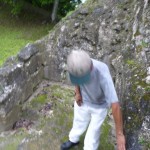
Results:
119 125
78 96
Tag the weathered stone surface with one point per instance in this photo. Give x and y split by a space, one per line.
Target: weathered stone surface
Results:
6 122
116 32
84 12
33 64
26 90
119 36
37 77
13 73
27 52
18 79
11 60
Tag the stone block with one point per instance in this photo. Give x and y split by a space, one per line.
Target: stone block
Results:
13 74
27 52
33 64
51 72
10 97
27 90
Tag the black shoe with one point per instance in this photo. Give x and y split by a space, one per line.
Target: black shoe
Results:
67 145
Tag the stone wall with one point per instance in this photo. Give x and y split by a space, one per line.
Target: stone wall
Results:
19 77
116 32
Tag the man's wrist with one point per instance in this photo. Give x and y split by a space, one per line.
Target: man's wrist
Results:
119 134
76 93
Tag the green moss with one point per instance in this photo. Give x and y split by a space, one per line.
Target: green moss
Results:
147 89
41 99
64 94
55 127
130 62
105 141
12 142
144 44
144 142
139 100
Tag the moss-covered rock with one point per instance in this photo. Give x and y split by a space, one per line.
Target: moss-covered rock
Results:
51 127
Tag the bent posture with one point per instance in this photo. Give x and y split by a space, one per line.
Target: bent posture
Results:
94 95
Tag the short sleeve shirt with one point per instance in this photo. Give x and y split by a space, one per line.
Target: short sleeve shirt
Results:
100 89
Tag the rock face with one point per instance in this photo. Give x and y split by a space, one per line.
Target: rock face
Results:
18 79
116 32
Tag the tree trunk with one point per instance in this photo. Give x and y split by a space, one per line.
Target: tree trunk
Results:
54 12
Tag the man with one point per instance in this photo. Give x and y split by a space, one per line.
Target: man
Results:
94 94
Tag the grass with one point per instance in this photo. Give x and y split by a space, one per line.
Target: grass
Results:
16 32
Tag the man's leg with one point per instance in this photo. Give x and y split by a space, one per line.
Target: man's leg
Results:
80 122
92 137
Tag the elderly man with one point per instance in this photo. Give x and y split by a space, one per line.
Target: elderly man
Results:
94 95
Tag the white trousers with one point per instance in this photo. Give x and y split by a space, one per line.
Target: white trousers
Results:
91 116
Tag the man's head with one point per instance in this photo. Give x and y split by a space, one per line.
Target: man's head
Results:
79 66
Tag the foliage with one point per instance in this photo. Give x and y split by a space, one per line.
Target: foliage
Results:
67 6
63 8
16 5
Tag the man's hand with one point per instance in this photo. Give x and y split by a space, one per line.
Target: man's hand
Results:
121 142
78 96
117 114
78 99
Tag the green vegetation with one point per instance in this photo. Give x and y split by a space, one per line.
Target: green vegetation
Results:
139 93
58 8
16 32
144 44
105 140
41 99
51 128
130 62
14 140
19 26
144 143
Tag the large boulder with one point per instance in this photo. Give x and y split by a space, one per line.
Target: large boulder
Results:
118 33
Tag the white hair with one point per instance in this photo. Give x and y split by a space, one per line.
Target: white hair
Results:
78 63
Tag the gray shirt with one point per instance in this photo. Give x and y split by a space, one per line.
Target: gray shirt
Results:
100 89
